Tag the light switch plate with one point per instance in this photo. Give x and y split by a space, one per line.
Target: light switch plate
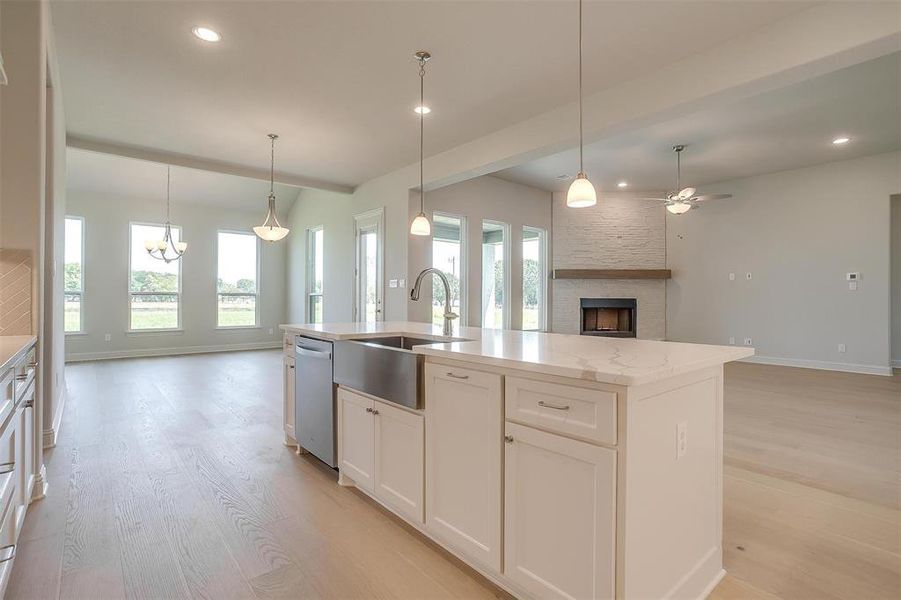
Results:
392 283
731 276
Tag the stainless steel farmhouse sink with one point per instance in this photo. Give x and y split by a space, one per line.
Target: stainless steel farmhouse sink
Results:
385 367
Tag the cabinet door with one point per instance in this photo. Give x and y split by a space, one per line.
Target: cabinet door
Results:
356 438
288 407
26 449
463 414
399 456
559 515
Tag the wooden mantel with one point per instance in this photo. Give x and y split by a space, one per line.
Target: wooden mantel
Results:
612 274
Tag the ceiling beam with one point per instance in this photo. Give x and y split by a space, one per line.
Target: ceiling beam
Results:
202 164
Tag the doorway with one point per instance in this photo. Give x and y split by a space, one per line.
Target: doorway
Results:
895 261
369 241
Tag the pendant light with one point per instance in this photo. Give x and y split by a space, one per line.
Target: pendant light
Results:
421 225
581 193
166 249
271 230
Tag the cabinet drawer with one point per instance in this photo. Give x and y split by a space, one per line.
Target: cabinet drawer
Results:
7 546
578 412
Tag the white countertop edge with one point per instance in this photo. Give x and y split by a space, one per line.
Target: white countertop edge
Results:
12 348
583 374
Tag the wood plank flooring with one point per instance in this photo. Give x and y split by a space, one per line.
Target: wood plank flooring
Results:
169 480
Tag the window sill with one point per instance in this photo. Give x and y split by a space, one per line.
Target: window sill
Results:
153 331
237 327
76 334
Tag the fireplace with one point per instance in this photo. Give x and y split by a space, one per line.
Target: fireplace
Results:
611 317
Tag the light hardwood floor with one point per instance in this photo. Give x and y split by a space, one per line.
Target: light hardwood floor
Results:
170 481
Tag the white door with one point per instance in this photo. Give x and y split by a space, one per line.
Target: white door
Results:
356 438
559 515
464 445
369 239
288 407
399 460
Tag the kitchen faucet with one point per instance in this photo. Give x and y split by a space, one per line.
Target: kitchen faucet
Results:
449 315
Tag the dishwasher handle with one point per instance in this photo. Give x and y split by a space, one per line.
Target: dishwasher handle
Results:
313 353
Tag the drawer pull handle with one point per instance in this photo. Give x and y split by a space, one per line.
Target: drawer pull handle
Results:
544 404
375 412
12 553
32 365
7 467
369 409
29 404
21 376
508 439
290 366
455 376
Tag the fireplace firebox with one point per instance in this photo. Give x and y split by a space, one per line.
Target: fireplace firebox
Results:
611 317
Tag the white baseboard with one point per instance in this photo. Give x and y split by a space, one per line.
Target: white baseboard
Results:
51 433
819 364
148 352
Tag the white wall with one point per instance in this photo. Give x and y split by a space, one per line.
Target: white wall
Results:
619 232
797 232
896 281
479 199
106 237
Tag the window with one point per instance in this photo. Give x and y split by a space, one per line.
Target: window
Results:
237 281
534 278
447 255
154 285
74 275
315 247
369 275
495 278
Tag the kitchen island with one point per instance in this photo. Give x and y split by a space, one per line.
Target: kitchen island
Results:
558 466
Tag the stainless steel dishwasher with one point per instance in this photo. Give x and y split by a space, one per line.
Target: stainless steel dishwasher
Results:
314 398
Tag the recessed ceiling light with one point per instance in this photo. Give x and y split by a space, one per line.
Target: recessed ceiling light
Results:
422 110
841 140
206 34
622 184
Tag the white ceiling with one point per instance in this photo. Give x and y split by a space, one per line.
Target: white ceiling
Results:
789 128
337 79
115 176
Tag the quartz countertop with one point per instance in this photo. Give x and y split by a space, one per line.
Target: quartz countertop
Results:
12 347
606 360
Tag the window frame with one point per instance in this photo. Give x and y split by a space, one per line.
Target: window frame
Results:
80 293
257 282
311 272
542 277
507 313
464 261
178 294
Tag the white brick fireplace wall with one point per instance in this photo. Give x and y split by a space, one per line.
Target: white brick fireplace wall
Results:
620 232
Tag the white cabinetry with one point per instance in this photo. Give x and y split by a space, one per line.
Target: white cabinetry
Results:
356 432
559 514
288 408
464 445
381 450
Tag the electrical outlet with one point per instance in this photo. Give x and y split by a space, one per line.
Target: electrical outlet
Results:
402 283
108 337
732 341
271 331
681 439
731 276
841 347
748 342
748 275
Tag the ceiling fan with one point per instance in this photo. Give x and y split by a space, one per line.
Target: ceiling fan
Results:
684 199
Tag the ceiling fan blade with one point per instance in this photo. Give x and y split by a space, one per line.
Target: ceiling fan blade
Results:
657 199
711 197
686 193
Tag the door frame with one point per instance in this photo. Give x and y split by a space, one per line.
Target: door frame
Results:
371 220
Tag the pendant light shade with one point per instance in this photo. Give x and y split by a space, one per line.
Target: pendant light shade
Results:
581 192
421 225
271 230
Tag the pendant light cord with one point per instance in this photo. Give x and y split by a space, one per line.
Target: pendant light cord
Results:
271 164
581 143
421 134
167 193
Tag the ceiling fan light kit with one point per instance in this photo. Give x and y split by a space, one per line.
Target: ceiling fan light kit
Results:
684 199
